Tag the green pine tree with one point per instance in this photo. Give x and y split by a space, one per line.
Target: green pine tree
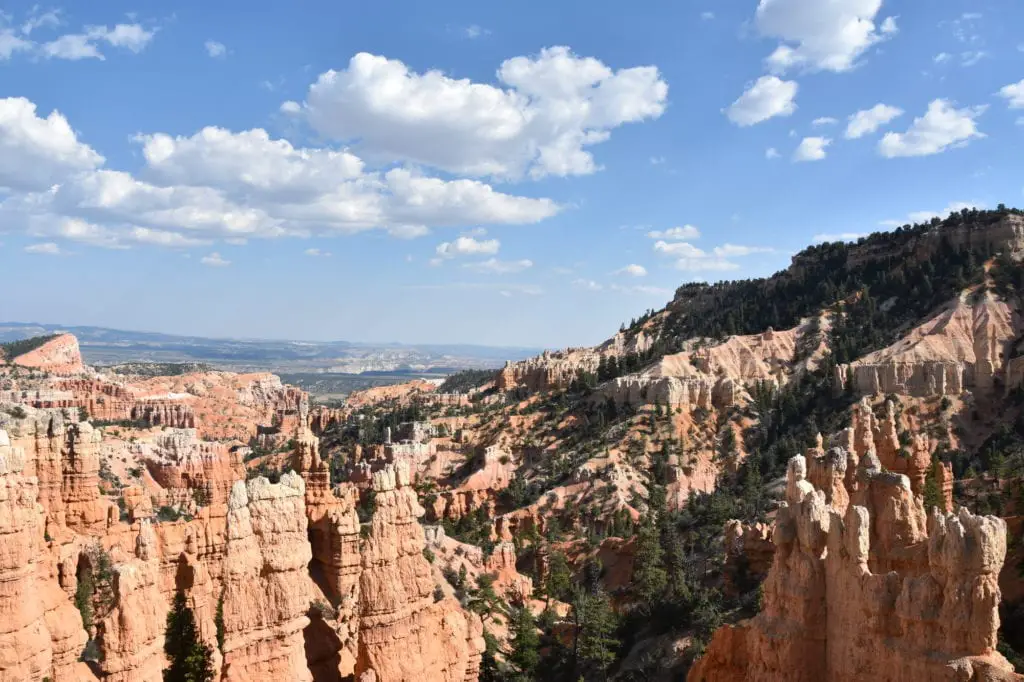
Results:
595 645
525 654
189 656
649 577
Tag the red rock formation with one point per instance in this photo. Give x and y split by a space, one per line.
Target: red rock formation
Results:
404 634
182 464
266 587
131 636
863 591
41 633
59 355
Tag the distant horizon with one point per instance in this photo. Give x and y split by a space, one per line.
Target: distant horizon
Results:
69 328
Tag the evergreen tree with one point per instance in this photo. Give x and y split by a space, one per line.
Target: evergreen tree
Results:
649 577
189 656
558 582
525 654
595 644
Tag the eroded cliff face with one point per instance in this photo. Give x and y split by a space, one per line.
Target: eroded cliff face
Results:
404 634
59 355
964 347
41 633
864 586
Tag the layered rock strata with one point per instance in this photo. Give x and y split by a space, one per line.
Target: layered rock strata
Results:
864 587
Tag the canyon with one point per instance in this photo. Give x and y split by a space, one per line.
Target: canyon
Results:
816 476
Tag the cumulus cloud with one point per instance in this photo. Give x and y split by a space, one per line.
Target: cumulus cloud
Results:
821 36
633 270
45 248
926 216
942 127
86 45
693 259
1013 94
824 121
215 49
214 260
766 98
498 267
867 121
681 234
220 184
36 152
290 108
771 153
811 149
468 246
539 121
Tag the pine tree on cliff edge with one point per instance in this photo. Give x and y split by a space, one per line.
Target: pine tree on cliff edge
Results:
190 658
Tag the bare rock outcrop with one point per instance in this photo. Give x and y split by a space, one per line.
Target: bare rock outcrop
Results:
963 347
266 587
59 355
41 633
404 634
865 588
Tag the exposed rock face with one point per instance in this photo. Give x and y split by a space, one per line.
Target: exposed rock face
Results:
550 370
266 587
748 553
963 347
181 464
59 355
864 588
719 375
404 634
41 633
132 635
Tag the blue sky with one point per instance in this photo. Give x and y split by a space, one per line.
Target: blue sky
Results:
500 173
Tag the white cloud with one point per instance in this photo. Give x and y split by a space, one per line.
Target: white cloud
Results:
214 260
867 121
38 19
495 266
926 216
684 233
766 98
35 152
222 185
942 127
657 160
632 270
215 49
771 153
942 58
45 248
826 35
683 249
291 108
474 31
1014 94
811 149
840 237
586 285
468 246
86 45
707 16
408 231
550 108
824 121
11 43
317 253
972 57
732 250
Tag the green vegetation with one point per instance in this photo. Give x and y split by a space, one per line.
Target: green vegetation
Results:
190 659
156 369
466 380
13 349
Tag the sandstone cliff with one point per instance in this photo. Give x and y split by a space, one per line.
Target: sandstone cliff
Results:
59 355
865 587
